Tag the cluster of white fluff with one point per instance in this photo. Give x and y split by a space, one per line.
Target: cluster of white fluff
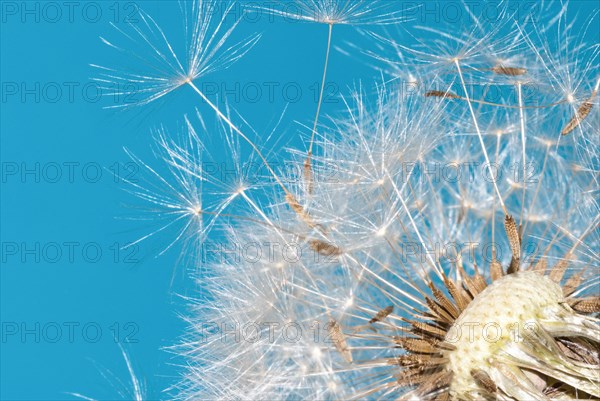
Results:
396 192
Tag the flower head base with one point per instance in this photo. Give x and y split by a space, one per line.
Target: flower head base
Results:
498 336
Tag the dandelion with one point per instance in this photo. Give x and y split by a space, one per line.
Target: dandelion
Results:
412 305
335 12
176 199
404 307
453 256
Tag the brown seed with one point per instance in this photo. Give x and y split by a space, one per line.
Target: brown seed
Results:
411 377
294 204
304 215
580 115
512 233
459 295
382 314
514 266
511 71
438 312
444 302
541 266
558 270
308 175
480 282
428 329
442 94
572 283
586 305
580 350
496 270
324 248
475 284
435 382
339 340
416 345
484 380
406 360
422 359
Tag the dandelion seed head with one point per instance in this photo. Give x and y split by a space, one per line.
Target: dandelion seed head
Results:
446 207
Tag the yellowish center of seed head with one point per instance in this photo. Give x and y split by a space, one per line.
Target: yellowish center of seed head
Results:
499 314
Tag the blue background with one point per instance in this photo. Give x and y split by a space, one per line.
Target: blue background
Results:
43 52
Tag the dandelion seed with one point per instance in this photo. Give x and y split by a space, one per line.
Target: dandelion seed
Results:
382 314
302 213
484 381
339 340
515 242
308 176
510 71
496 270
582 113
335 12
324 248
205 54
587 305
151 47
446 95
